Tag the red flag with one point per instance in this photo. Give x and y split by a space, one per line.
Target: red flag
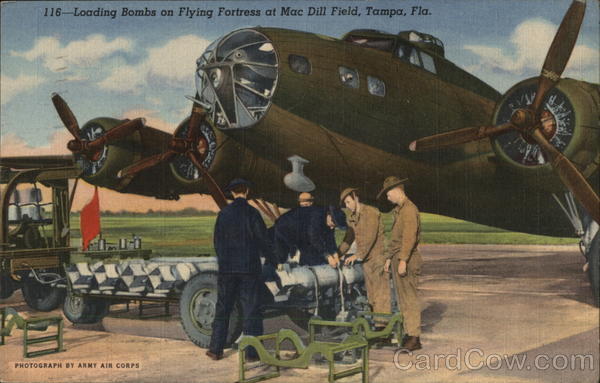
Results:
89 220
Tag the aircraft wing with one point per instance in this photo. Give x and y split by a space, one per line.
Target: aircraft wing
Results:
49 161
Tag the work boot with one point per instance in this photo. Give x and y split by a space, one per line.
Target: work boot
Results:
412 343
214 356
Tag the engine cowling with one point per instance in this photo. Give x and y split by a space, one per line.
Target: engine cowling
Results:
102 170
569 122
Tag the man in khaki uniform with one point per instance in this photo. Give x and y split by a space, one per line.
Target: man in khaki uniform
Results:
404 258
366 227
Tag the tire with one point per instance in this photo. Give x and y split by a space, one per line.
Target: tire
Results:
594 267
7 287
197 310
84 310
41 297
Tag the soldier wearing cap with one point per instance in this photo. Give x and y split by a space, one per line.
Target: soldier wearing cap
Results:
240 238
404 258
366 228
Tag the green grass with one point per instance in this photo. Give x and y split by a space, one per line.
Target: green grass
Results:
187 236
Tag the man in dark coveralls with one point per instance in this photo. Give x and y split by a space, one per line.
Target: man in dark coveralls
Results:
309 229
240 238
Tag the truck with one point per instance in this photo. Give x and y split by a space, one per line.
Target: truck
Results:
37 257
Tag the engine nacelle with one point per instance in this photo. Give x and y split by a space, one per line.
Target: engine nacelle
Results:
102 170
569 122
226 158
220 155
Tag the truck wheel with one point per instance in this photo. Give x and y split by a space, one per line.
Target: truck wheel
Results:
6 286
594 267
81 310
41 297
197 310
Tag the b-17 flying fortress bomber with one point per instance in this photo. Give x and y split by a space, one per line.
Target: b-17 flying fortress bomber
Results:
286 108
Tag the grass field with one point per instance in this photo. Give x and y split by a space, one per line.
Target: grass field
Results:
185 236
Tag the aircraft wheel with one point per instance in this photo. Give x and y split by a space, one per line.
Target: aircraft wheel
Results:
6 286
87 310
198 305
594 267
41 297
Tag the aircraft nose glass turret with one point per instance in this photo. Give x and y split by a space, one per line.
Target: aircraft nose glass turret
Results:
236 78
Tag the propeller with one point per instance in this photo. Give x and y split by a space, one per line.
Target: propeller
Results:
91 149
559 52
193 146
528 121
459 136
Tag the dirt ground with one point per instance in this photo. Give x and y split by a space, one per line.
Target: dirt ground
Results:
490 314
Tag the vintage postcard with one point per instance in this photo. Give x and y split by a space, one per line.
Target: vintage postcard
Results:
236 191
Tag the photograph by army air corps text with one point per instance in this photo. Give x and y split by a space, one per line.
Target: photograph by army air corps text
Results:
289 191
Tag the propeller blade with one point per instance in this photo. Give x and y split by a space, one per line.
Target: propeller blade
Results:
196 119
214 189
66 115
117 133
570 176
560 51
459 136
145 163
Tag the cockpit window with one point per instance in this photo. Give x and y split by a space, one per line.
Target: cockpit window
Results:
376 86
408 53
348 77
299 64
425 38
379 43
428 62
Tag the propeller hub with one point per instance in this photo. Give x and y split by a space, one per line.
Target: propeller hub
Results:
179 145
523 119
75 146
202 147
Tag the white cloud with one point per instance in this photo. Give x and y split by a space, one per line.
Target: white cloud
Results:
173 62
10 86
529 45
86 52
125 78
13 145
151 117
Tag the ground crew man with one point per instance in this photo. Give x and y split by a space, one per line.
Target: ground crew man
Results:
240 238
305 199
366 228
310 230
403 258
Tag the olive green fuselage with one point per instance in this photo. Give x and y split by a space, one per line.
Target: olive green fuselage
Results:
354 138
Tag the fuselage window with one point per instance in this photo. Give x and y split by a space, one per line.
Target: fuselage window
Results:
299 64
376 86
408 53
428 62
348 77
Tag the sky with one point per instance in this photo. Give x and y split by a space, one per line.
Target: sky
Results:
142 66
